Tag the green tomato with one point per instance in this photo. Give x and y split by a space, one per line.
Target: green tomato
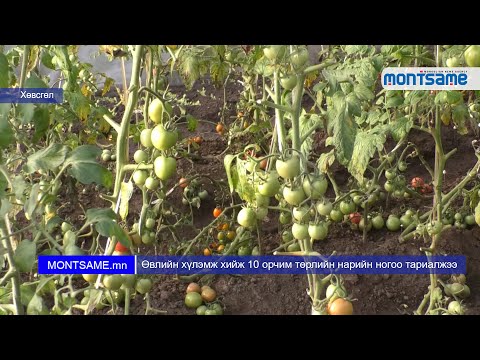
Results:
318 231
357 199
390 174
293 197
147 239
405 220
244 251
140 156
285 218
270 187
361 225
289 82
402 166
128 281
469 220
165 167
255 251
139 177
472 56
393 223
300 231
193 300
316 187
155 111
301 214
274 52
152 183
378 222
299 57
324 207
294 247
453 62
347 207
458 216
201 310
146 138
336 215
288 169
217 308
287 236
112 282
247 217
106 157
150 223
144 286
203 195
163 139
435 227
66 226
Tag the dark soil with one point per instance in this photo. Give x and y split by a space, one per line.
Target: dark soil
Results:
286 294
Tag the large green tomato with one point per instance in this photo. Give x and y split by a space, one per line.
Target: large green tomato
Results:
318 231
288 169
155 111
293 197
247 217
274 52
139 177
165 167
270 187
289 82
315 187
299 58
324 207
140 156
472 56
300 231
163 139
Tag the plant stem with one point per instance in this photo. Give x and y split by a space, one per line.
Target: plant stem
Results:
279 124
5 232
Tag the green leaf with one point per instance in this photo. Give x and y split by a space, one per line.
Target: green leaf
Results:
27 291
46 60
227 162
263 67
4 71
34 82
363 93
344 130
3 185
47 159
415 97
26 112
37 306
126 192
104 220
459 117
41 120
400 128
25 255
107 85
31 203
353 105
245 188
356 49
6 132
325 161
79 104
366 145
192 123
19 186
394 101
86 169
219 71
454 97
110 228
5 207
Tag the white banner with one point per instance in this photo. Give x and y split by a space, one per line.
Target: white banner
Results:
431 78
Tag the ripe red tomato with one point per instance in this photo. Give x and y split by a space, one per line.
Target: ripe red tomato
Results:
417 182
355 217
120 248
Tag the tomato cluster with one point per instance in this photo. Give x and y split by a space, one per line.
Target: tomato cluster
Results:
202 299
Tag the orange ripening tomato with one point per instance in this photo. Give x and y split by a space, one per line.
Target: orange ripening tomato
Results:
417 182
198 140
207 252
263 164
340 307
426 189
220 128
216 212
